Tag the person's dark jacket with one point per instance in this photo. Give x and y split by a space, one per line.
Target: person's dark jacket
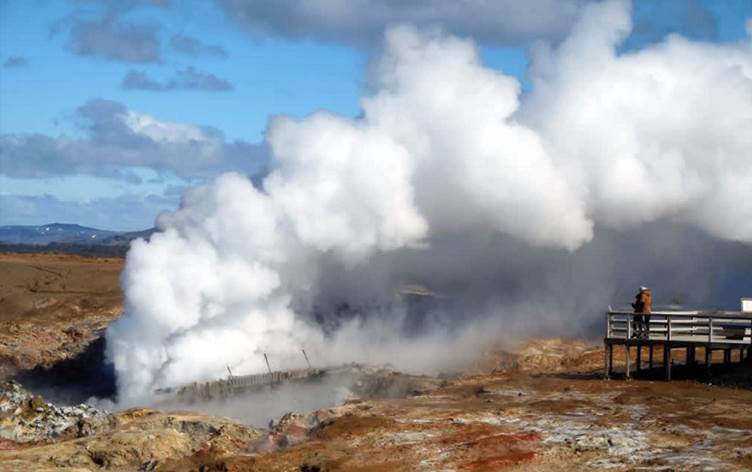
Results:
643 302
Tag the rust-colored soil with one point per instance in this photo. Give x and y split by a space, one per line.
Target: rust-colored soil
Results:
52 306
540 406
531 423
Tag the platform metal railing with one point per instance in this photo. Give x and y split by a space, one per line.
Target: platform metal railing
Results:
681 326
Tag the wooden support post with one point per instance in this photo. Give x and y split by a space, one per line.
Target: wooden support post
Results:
606 367
691 356
667 360
708 359
626 355
610 359
727 356
638 364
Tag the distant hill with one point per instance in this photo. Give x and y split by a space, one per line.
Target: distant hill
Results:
68 234
123 239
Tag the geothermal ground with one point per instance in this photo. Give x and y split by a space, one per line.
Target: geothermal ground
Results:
542 405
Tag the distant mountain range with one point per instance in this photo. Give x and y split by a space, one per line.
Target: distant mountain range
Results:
69 234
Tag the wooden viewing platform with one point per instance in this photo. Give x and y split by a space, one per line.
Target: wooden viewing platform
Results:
710 331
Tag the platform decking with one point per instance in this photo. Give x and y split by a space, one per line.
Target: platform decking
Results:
708 330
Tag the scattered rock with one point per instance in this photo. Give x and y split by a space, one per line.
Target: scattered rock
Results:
25 417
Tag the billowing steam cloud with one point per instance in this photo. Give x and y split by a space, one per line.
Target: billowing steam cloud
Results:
451 181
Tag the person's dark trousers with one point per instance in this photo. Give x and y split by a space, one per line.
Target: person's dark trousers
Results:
641 326
636 326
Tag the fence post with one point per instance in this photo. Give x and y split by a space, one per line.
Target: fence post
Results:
608 324
630 320
606 364
749 348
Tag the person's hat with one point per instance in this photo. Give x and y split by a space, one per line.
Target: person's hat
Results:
643 288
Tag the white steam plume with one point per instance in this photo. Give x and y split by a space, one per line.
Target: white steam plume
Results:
444 165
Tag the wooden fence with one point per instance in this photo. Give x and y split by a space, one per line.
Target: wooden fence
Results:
237 384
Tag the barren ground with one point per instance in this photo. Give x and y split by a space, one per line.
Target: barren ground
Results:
539 407
53 306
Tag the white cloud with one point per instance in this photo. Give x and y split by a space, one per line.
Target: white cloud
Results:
117 139
163 131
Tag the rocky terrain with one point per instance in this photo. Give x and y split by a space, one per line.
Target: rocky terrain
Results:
40 436
27 418
518 417
539 406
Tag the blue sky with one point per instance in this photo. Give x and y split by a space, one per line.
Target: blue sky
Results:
212 73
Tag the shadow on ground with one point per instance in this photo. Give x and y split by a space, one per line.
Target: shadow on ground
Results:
74 380
728 375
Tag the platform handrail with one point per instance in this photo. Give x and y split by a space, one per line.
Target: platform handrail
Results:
714 313
690 326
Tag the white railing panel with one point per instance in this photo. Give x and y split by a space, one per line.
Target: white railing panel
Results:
728 327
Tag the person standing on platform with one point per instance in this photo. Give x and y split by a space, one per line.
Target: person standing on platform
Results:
642 305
